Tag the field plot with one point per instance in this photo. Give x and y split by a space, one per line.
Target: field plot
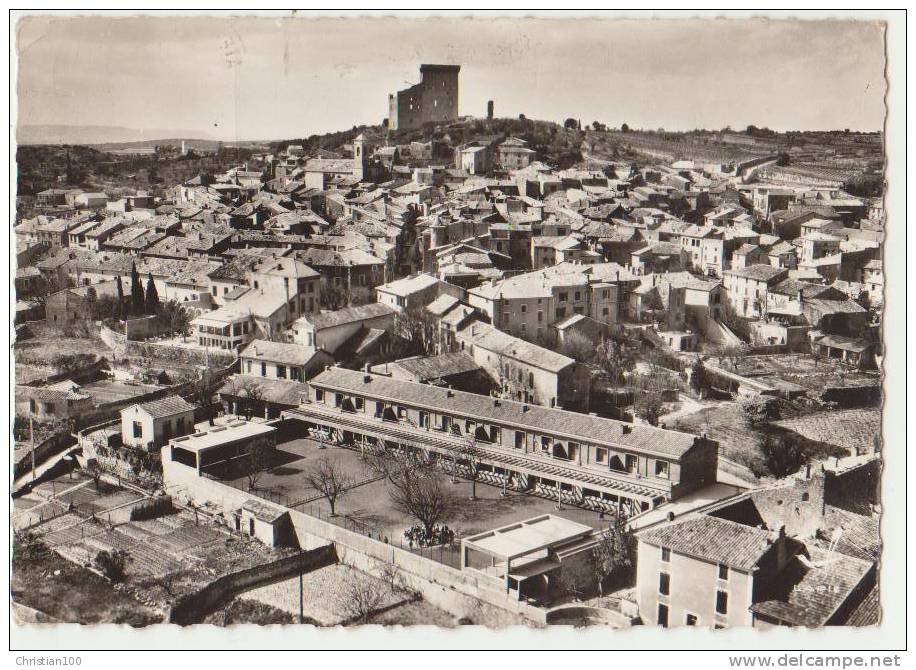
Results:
416 613
69 593
325 594
49 341
106 391
848 429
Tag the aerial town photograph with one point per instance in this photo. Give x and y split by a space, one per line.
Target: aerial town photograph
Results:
398 322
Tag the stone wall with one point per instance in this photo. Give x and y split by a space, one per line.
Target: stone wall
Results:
193 607
458 592
115 341
798 504
43 451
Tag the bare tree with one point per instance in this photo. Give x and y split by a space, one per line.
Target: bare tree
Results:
328 478
420 328
469 452
359 596
733 353
256 460
251 390
612 555
417 491
391 575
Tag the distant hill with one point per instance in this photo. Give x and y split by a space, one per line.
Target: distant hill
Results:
49 134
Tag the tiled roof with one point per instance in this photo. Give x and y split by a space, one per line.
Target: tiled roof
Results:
712 539
408 285
761 272
860 535
49 394
370 310
492 339
817 588
868 613
442 304
332 165
429 368
167 406
550 421
277 391
263 511
279 352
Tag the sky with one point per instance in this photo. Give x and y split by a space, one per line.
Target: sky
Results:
248 78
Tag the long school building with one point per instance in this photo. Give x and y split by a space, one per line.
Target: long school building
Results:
580 459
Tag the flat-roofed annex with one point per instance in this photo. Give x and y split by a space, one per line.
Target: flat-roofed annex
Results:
240 430
527 537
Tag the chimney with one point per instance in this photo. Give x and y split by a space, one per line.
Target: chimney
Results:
801 297
367 379
495 402
525 408
627 429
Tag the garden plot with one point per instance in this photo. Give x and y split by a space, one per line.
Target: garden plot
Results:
325 594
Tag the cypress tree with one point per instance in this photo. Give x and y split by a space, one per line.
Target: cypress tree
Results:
152 295
120 309
136 291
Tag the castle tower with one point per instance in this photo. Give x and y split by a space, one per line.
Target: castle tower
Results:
360 157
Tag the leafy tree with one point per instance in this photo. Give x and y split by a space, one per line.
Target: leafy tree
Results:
577 346
699 379
615 358
177 318
570 124
649 396
249 393
759 410
113 564
624 128
783 455
613 556
152 296
333 297
137 302
95 471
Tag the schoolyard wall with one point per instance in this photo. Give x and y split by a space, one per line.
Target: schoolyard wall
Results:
454 590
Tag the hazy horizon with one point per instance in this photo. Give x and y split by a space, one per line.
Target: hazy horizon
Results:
258 79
